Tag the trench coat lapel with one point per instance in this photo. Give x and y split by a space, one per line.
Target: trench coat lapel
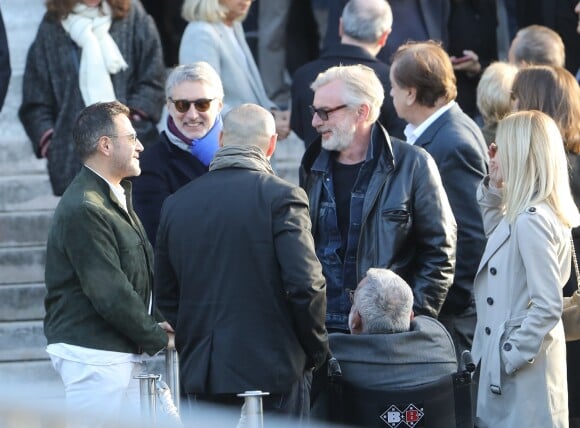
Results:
495 241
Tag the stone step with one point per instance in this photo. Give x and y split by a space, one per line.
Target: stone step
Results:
16 156
26 193
22 265
22 341
22 228
32 373
22 302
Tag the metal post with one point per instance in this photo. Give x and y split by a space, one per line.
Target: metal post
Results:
252 413
147 390
172 374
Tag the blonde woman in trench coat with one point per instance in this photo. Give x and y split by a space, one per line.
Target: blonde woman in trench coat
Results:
528 211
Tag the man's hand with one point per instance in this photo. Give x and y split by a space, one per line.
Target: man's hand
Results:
171 340
170 334
468 63
166 326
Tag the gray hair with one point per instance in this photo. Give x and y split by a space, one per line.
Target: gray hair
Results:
361 83
248 125
366 20
199 71
203 10
94 122
537 44
384 302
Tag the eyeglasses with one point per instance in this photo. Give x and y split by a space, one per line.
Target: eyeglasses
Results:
323 113
201 105
131 137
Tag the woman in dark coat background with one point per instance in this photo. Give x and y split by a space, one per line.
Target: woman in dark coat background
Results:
87 51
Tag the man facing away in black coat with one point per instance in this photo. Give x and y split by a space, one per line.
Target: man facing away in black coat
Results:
236 274
364 28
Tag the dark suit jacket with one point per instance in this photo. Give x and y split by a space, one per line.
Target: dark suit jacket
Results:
302 95
458 147
472 25
237 276
165 168
435 16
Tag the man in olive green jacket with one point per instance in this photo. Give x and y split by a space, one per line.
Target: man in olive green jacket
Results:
99 309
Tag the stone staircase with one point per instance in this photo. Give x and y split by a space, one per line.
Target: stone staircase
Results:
26 208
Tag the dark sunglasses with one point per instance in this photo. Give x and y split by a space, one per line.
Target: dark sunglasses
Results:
323 113
201 105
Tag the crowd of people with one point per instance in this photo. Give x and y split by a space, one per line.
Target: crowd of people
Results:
437 203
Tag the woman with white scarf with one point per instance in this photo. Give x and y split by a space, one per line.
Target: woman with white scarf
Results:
89 51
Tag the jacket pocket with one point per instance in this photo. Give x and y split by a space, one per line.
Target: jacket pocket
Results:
397 215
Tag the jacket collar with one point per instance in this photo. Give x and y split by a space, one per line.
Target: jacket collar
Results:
245 157
427 136
315 158
345 52
495 240
86 175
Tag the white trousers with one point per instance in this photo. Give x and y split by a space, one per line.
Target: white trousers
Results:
99 395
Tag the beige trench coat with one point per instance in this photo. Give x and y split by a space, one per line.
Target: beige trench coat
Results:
519 339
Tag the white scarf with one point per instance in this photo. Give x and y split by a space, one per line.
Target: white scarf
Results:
100 56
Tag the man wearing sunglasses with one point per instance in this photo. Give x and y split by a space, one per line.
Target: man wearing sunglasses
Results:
187 144
374 200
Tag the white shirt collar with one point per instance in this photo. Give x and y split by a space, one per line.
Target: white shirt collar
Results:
412 132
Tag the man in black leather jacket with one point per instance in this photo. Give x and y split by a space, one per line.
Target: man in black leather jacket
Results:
374 201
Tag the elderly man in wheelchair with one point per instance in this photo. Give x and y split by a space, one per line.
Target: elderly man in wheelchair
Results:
394 370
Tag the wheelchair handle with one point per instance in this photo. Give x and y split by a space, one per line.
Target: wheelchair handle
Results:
467 361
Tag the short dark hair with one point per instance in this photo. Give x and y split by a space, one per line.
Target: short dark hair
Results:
92 123
426 67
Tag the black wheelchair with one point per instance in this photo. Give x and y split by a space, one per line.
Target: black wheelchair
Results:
445 403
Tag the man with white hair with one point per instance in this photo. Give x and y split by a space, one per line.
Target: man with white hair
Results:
374 200
236 274
388 346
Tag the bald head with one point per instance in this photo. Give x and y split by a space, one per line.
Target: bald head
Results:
248 125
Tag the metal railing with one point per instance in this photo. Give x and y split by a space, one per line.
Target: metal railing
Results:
153 388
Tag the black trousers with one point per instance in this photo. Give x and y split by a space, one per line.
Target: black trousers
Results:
293 404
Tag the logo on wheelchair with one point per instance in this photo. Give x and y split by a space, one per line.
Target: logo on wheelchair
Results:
410 417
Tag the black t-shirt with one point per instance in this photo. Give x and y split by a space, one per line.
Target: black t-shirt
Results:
344 178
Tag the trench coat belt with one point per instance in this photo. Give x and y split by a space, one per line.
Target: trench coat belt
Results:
495 358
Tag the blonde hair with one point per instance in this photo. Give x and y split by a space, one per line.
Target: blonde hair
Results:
362 86
203 10
494 91
534 166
